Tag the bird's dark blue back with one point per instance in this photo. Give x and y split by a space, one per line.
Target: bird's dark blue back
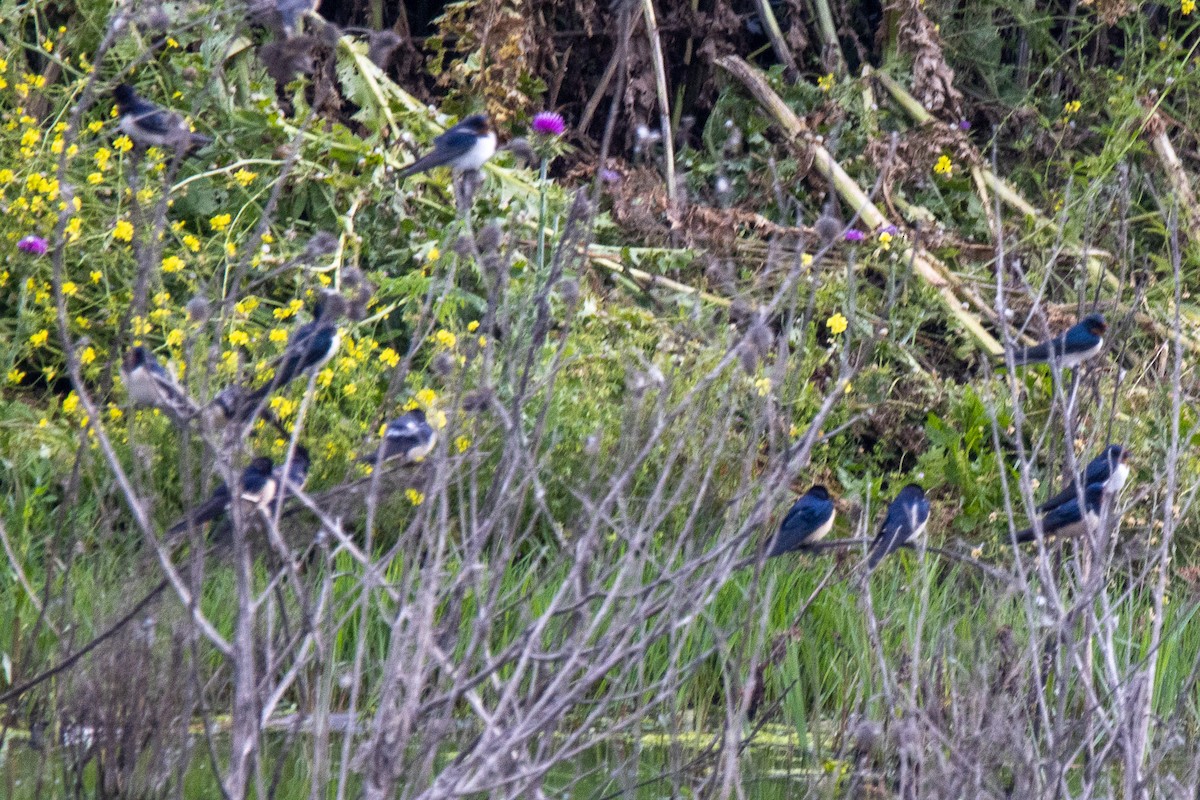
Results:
455 141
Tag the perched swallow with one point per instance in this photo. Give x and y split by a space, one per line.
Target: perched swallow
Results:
308 349
1067 520
257 486
905 521
465 147
810 519
1077 344
1110 468
149 125
151 385
409 438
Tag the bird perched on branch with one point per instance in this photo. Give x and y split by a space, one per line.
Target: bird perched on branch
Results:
1070 520
1077 344
904 523
151 385
257 486
149 125
809 520
1110 468
308 349
464 148
409 438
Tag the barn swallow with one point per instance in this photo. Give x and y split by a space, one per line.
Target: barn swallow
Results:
149 125
465 147
257 485
810 519
151 385
1077 344
308 349
408 437
906 518
1067 520
1110 468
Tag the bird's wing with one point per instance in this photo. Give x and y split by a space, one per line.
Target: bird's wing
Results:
1068 493
889 538
155 120
804 517
1062 516
207 511
1077 339
175 400
1034 353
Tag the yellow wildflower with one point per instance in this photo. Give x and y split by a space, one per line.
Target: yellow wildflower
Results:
290 310
172 264
220 222
434 254
415 497
115 413
70 403
95 126
238 338
123 144
389 357
825 82
247 305
426 398
445 338
6 175
762 386
123 231
1186 7
462 443
837 324
15 375
472 326
97 276
324 378
69 288
191 243
87 356
175 337
944 165
885 241
244 177
38 339
278 335
94 178
349 389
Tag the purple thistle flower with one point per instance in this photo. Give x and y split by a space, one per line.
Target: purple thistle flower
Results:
548 123
964 125
34 245
855 235
889 229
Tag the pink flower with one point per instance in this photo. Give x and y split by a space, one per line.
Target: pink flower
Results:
34 245
548 123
